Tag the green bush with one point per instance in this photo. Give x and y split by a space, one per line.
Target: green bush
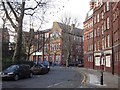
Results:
27 62
6 62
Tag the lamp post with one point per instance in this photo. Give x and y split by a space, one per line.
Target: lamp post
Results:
43 43
102 67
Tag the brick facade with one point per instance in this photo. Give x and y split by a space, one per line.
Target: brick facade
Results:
55 48
116 36
88 40
106 40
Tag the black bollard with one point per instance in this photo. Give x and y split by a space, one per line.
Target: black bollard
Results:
101 80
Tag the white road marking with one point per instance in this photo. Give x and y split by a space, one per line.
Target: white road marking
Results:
55 84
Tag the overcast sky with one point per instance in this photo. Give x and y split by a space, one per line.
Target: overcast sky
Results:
77 8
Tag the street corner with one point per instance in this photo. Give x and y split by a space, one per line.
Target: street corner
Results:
85 79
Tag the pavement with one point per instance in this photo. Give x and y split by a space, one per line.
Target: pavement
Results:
92 79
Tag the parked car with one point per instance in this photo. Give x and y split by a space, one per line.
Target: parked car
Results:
80 65
46 64
39 69
16 72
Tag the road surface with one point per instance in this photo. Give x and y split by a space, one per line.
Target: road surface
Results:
58 77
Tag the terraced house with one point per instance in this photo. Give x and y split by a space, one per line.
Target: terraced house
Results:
60 42
66 42
88 39
105 36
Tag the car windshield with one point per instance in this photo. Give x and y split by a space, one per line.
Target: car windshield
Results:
46 63
13 67
42 65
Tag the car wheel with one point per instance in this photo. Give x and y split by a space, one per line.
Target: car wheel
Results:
31 75
16 77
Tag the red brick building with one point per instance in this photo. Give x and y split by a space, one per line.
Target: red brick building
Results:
88 40
40 47
105 36
59 43
116 35
55 48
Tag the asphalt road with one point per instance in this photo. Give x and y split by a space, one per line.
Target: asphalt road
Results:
58 77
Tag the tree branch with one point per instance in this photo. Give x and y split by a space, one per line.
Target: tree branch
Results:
38 4
40 46
22 10
7 15
12 10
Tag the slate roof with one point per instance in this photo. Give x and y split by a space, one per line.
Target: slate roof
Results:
76 31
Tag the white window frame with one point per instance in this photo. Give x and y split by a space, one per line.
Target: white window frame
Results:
108 23
104 8
97 61
108 61
108 39
95 33
107 5
98 17
94 19
103 43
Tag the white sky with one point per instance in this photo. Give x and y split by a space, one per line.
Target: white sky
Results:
77 8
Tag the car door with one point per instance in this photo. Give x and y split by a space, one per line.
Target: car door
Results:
26 70
40 69
21 71
36 69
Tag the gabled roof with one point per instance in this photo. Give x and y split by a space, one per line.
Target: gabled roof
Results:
76 31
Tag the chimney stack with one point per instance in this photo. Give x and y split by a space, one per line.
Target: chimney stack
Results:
72 27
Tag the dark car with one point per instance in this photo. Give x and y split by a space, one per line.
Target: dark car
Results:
39 69
80 65
16 72
46 64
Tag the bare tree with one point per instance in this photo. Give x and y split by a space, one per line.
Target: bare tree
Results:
68 36
18 9
28 38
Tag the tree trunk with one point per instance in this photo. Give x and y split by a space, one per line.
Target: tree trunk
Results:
16 57
28 54
67 60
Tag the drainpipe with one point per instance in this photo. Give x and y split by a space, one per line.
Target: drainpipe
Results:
112 37
93 43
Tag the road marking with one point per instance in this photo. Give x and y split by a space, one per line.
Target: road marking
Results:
50 86
54 84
